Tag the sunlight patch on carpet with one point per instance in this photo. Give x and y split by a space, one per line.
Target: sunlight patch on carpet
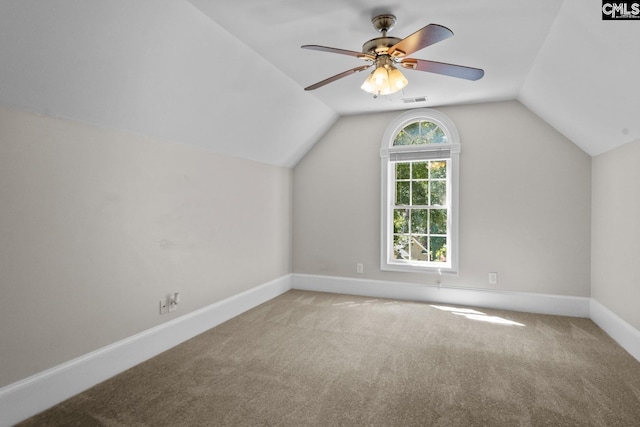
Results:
477 315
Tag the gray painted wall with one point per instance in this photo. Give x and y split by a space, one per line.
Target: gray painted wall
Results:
97 225
616 232
525 201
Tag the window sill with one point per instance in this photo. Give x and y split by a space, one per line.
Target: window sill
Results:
413 268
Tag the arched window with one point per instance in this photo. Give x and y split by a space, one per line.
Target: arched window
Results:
420 151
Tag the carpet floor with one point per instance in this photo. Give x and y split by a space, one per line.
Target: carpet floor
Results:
320 359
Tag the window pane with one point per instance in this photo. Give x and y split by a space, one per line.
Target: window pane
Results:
438 247
401 247
438 192
438 223
432 134
439 137
427 129
402 171
418 133
402 193
413 129
419 249
438 169
420 170
420 193
402 139
419 221
400 221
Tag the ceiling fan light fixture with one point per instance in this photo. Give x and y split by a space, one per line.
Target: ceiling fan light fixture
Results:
384 80
397 79
386 52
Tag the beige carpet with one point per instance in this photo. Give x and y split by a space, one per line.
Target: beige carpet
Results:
319 359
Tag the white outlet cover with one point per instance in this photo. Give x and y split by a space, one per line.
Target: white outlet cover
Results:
164 306
493 278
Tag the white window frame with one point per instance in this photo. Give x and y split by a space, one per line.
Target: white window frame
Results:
389 155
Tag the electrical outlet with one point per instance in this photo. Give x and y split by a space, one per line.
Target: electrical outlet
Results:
360 268
164 306
493 278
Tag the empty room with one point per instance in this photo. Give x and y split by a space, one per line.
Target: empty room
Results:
338 212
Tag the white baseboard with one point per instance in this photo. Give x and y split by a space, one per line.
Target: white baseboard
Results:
623 333
27 397
516 301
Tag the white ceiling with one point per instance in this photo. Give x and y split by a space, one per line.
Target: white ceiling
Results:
586 79
229 75
495 35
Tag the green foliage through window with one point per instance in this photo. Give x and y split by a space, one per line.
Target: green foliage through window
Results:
419 133
420 214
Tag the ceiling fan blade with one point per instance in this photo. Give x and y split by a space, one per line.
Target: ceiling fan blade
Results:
337 76
431 34
452 70
359 55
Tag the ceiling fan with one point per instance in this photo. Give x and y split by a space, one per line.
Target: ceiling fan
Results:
384 53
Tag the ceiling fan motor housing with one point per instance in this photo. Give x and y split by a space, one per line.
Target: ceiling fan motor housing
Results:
380 45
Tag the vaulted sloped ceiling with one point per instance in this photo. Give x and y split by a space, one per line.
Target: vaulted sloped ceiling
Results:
155 67
229 75
585 80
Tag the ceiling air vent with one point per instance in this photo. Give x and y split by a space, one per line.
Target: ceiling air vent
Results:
412 100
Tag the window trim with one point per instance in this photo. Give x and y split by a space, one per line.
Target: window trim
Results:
388 155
